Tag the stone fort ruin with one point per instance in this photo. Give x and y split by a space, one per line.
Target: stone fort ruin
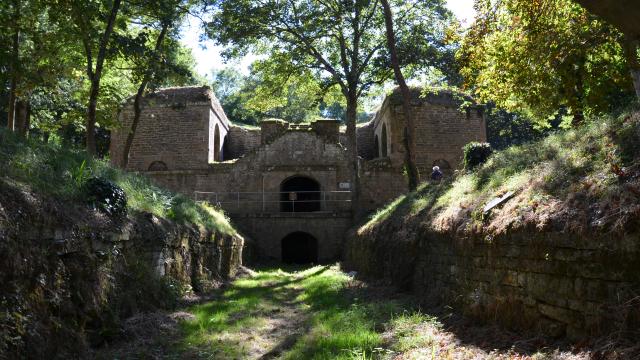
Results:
287 186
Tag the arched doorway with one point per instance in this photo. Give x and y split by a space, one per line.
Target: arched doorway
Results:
216 144
384 141
376 147
300 194
299 248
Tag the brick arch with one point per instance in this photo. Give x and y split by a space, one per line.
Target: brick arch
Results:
216 143
299 247
158 166
376 146
384 151
305 191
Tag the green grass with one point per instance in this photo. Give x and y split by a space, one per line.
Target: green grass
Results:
579 160
334 322
60 171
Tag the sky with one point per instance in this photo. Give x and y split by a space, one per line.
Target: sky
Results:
207 55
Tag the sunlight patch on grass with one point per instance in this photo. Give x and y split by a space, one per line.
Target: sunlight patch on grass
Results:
383 213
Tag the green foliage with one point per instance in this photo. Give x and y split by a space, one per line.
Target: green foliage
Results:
105 196
266 94
505 128
61 171
320 47
52 65
538 65
341 325
593 159
475 153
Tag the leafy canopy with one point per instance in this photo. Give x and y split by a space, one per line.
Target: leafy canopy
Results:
543 58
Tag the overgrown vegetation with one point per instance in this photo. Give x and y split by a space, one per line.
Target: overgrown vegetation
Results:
60 171
475 153
598 163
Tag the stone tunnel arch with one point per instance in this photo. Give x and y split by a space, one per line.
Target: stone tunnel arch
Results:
299 248
300 194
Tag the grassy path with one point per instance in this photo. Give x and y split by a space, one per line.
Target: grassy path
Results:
317 313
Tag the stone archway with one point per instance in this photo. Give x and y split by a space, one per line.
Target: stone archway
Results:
216 144
300 194
383 147
299 248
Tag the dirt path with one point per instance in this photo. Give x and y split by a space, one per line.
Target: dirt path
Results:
319 313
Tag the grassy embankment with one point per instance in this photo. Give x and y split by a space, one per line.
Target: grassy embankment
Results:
58 171
592 169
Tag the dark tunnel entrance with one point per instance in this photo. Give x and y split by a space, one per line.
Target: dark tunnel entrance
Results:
299 248
300 194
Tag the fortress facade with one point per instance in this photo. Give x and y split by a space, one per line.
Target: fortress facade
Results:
288 186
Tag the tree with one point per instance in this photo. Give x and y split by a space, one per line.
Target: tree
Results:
540 66
88 19
409 128
624 15
339 42
168 13
14 64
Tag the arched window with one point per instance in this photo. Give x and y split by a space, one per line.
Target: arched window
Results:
376 147
158 166
299 248
216 144
226 153
384 141
300 194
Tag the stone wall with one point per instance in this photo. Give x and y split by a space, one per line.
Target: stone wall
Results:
441 133
159 138
380 183
248 188
69 274
240 141
272 228
560 284
365 139
441 129
176 131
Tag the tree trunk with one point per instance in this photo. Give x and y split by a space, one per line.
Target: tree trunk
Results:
630 47
137 109
13 66
22 118
352 144
95 77
409 127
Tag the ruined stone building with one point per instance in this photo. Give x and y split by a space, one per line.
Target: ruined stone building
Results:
288 186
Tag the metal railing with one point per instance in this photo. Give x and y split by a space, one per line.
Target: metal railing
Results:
284 201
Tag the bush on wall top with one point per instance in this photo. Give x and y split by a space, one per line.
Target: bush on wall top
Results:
476 153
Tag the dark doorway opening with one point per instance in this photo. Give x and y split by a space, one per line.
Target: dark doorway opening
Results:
300 194
299 248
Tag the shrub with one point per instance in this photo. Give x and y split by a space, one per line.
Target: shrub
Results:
476 153
106 196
